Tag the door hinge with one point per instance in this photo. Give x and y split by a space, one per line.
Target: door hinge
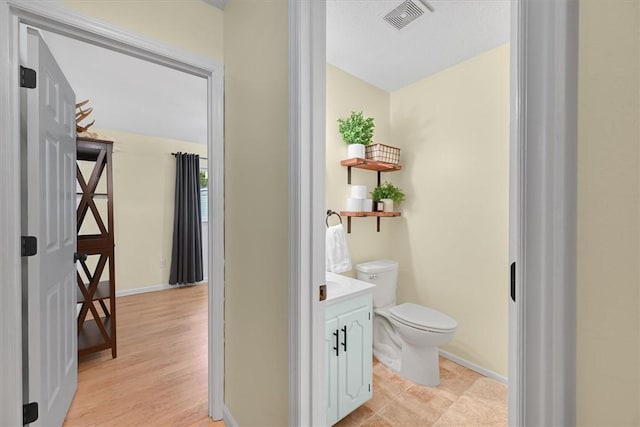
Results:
369 387
369 315
29 246
29 413
323 292
513 281
27 77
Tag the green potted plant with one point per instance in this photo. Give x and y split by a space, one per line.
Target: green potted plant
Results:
356 131
388 194
204 181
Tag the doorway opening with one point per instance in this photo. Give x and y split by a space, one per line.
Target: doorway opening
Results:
68 24
128 199
542 211
439 96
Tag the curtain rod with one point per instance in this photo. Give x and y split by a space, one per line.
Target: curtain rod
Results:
203 158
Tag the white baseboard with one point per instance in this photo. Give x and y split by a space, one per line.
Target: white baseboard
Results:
229 421
473 366
152 288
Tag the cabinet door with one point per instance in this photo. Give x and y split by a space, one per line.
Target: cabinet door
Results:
331 369
355 360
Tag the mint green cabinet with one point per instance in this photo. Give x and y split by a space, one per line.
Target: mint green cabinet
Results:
348 340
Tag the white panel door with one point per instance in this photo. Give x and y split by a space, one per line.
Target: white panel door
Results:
355 361
51 171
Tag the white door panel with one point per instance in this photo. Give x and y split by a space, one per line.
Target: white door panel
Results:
354 385
51 163
349 364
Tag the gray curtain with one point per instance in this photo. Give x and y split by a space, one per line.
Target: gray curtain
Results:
186 257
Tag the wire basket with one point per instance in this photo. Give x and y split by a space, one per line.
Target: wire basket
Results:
382 153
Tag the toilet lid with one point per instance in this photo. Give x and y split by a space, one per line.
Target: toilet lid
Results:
422 317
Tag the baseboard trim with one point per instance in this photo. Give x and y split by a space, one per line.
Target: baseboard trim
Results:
479 369
152 288
229 421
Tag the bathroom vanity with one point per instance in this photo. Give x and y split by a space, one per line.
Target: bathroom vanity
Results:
348 337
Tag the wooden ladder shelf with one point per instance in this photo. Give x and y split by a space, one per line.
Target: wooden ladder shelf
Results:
96 264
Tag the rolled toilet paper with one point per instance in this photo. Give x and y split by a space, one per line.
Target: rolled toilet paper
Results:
359 191
367 205
354 205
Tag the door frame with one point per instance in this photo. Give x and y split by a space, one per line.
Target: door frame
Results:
543 193
52 17
307 68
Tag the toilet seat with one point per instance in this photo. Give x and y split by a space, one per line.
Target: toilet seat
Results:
423 318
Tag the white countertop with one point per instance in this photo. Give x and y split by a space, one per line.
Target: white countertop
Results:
341 287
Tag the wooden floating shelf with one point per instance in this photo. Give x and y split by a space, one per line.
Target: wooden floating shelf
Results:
365 214
372 165
376 215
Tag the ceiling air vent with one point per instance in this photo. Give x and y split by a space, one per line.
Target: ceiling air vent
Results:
404 14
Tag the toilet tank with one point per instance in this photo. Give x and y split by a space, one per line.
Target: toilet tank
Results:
383 274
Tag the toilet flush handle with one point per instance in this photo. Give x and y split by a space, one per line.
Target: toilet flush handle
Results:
373 276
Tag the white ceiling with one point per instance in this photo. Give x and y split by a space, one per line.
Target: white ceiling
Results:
133 95
361 43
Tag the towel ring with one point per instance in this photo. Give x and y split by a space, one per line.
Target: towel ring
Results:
329 213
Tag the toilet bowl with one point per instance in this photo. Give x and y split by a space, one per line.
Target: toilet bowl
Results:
387 347
406 337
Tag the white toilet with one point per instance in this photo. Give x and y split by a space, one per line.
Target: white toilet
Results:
406 337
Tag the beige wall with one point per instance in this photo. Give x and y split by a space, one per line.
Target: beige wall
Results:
453 128
452 241
143 188
346 93
192 25
256 271
256 123
608 214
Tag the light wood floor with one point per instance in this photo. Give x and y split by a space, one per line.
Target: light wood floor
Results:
160 375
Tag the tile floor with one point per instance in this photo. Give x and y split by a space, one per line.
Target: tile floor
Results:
463 398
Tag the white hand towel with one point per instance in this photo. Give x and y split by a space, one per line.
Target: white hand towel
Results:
338 259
